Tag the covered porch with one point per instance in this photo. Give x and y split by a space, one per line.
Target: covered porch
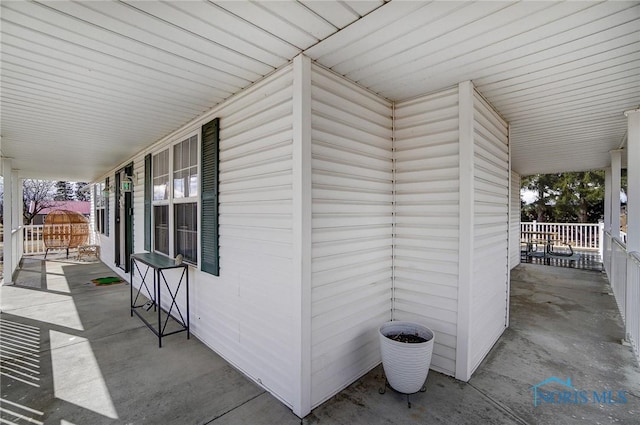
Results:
73 355
324 167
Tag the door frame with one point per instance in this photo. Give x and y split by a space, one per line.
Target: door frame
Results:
128 219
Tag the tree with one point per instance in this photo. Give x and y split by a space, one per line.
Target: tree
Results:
64 191
543 185
565 197
36 195
580 197
80 194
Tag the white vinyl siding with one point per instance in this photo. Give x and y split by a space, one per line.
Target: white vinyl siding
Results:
245 314
514 222
305 282
491 230
352 207
427 219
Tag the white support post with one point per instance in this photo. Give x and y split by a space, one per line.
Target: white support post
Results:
18 246
302 232
633 181
601 241
465 255
607 199
606 226
7 219
616 170
633 222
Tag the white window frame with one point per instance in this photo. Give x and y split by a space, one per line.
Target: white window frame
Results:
171 200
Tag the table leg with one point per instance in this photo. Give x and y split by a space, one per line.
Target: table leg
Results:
188 314
131 286
159 290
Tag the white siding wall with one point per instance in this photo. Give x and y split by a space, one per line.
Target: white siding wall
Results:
245 315
369 263
490 233
514 223
352 188
427 223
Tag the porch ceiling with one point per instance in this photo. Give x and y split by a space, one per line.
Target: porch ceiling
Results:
87 85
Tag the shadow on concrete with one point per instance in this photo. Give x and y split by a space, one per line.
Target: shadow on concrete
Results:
71 354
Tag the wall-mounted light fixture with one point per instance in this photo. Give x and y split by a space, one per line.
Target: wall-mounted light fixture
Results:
106 190
126 185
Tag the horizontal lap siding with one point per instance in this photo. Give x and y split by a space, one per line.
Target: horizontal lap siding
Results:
352 195
427 225
246 313
514 223
249 309
491 230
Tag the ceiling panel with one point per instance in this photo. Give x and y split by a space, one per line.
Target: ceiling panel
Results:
86 85
550 68
338 14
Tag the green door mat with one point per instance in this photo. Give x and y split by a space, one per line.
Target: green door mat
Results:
107 280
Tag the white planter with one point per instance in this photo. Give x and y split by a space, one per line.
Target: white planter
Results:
406 365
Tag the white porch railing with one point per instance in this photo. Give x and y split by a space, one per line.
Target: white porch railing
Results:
33 243
585 236
623 269
33 237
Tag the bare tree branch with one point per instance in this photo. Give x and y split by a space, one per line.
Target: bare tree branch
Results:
37 195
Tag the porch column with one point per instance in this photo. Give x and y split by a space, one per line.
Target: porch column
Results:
633 181
607 199
7 219
616 168
632 319
605 248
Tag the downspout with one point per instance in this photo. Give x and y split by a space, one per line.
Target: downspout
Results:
510 218
393 210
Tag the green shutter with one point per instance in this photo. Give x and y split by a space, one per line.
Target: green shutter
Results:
210 259
106 209
147 202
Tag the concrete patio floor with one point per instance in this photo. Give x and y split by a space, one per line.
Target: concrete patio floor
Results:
71 354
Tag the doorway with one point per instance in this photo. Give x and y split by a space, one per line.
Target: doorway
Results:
124 217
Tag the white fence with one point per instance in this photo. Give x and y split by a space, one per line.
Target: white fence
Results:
585 236
623 269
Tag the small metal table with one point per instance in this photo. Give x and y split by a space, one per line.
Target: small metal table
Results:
159 263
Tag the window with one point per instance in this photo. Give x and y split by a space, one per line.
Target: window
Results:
100 208
174 206
161 228
175 200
